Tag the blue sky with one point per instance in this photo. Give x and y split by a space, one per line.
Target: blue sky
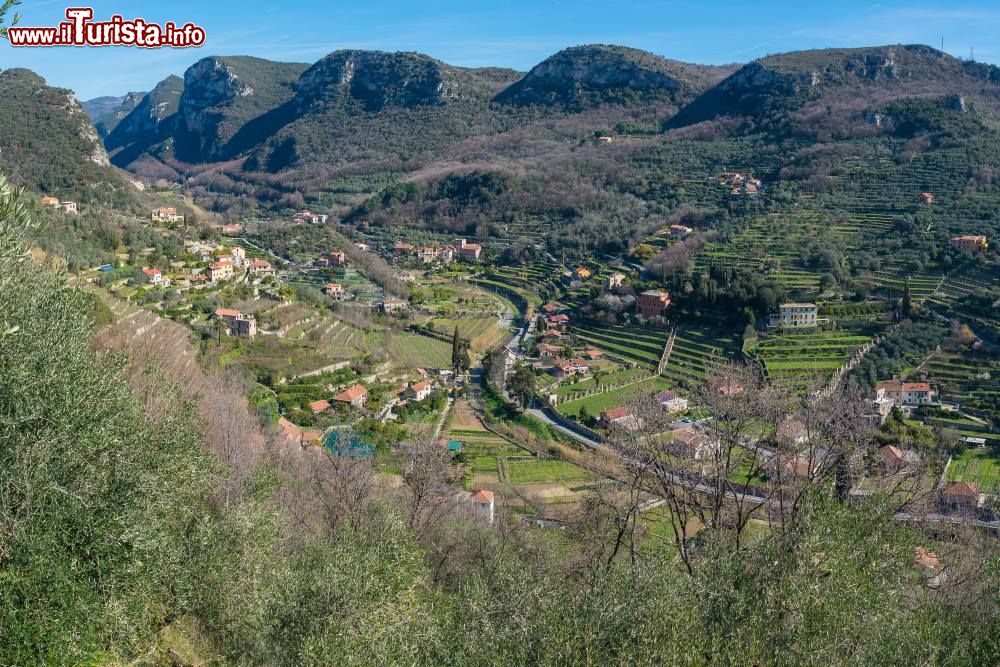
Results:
512 33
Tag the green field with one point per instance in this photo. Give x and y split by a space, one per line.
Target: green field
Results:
525 470
981 465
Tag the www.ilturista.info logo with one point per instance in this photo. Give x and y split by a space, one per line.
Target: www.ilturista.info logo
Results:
80 30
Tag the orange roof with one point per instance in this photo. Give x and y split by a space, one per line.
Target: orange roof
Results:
260 263
220 264
420 386
616 413
962 489
227 312
482 496
151 272
319 406
926 559
916 386
290 429
352 394
891 454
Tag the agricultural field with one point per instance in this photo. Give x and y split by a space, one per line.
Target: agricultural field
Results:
969 379
804 359
594 405
980 465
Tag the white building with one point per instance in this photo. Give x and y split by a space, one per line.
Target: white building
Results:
795 316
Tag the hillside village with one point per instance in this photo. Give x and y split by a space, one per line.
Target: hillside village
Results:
705 320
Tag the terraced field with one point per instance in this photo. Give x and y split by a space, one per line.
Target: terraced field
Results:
639 345
696 352
805 359
962 378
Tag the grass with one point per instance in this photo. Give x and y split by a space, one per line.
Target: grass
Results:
980 465
534 471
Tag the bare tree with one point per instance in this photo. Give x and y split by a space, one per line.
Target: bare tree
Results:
429 494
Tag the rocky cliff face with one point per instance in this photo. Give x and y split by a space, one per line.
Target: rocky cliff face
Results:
146 120
377 80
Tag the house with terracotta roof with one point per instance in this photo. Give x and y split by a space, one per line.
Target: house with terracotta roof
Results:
319 406
678 231
154 277
237 324
548 351
402 248
971 243
468 251
925 198
165 214
620 418
335 291
261 267
691 443
582 273
652 303
960 496
563 368
355 396
907 394
221 270
50 201
419 391
482 503
336 259
406 277
893 459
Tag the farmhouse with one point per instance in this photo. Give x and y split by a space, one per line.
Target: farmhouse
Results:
671 402
389 306
563 368
334 291
154 277
620 418
926 198
548 351
892 459
680 230
605 139
319 406
68 207
419 391
237 324
336 259
402 248
166 214
582 273
221 270
305 215
691 443
237 255
363 247
906 394
482 502
50 201
261 267
468 251
355 396
795 316
652 303
971 243
960 496
232 228
406 277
